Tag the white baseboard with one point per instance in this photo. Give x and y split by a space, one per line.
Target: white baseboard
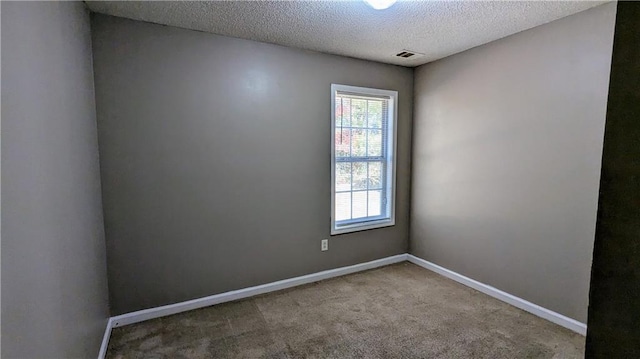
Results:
146 314
105 339
534 309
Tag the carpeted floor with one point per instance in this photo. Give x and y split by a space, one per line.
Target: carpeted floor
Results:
398 311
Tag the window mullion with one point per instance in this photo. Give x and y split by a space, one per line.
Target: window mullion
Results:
351 156
360 159
366 122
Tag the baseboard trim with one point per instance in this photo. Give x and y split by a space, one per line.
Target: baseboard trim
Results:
105 339
152 313
527 306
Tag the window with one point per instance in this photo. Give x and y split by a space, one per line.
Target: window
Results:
362 158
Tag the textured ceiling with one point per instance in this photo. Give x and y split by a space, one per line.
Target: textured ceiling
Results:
351 28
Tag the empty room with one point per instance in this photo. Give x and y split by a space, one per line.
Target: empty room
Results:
320 179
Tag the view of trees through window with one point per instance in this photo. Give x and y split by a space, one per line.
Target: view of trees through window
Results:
360 156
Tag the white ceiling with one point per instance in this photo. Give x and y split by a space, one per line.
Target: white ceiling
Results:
351 28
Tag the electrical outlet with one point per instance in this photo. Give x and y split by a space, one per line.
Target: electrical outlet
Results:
324 245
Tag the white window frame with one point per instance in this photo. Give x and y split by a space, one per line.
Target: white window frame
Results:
391 147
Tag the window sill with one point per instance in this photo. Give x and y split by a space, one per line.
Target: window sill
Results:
357 227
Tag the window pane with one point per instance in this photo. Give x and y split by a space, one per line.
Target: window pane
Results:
375 143
343 176
359 204
343 142
375 203
359 175
358 112
359 143
375 175
343 112
343 206
375 114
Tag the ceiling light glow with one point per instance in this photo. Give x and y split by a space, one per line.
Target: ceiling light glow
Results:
380 4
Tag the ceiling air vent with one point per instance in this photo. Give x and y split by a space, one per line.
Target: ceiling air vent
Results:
408 54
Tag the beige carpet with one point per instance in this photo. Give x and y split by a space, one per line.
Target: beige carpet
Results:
398 311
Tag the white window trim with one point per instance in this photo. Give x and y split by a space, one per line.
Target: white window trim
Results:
392 149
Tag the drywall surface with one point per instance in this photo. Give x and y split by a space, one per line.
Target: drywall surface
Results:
506 159
614 305
215 161
54 281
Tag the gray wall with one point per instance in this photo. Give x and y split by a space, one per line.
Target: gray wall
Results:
506 159
54 287
215 161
